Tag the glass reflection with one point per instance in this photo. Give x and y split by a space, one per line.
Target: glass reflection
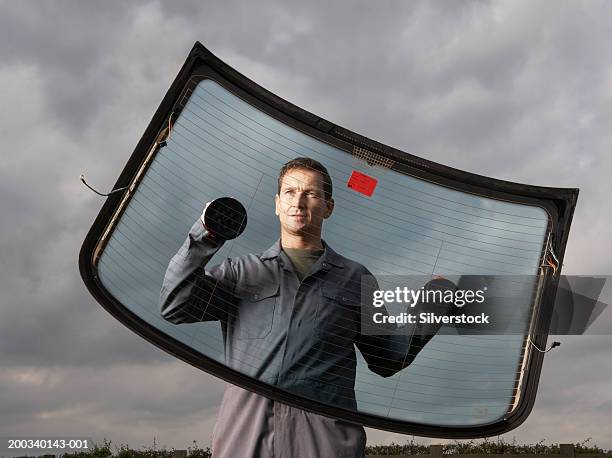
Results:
221 146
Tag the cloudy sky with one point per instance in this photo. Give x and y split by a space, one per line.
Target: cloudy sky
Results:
518 90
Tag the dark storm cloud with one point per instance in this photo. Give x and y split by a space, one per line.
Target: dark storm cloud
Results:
128 404
67 40
520 91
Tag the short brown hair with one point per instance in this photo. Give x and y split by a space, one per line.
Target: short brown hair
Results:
308 164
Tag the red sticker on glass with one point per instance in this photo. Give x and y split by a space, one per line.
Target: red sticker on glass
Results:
362 183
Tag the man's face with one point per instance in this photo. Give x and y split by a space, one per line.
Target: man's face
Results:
301 206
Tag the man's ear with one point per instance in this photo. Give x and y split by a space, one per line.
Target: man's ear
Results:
330 208
276 205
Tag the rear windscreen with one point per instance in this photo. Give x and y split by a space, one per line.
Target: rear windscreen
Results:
394 224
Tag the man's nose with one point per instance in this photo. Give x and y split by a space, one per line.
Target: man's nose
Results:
296 199
300 199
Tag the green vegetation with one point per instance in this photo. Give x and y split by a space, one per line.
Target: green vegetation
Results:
485 446
123 451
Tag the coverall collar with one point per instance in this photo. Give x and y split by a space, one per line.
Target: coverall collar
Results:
329 255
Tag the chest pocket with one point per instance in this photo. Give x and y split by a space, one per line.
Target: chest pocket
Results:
254 312
338 313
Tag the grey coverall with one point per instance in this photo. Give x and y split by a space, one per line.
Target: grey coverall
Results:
299 336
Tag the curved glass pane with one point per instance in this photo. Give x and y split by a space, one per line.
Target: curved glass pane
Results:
222 146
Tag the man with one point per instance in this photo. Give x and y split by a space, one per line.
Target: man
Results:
291 317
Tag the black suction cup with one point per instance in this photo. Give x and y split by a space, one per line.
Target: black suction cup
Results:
226 218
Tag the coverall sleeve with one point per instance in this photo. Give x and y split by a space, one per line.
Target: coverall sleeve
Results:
190 293
387 348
